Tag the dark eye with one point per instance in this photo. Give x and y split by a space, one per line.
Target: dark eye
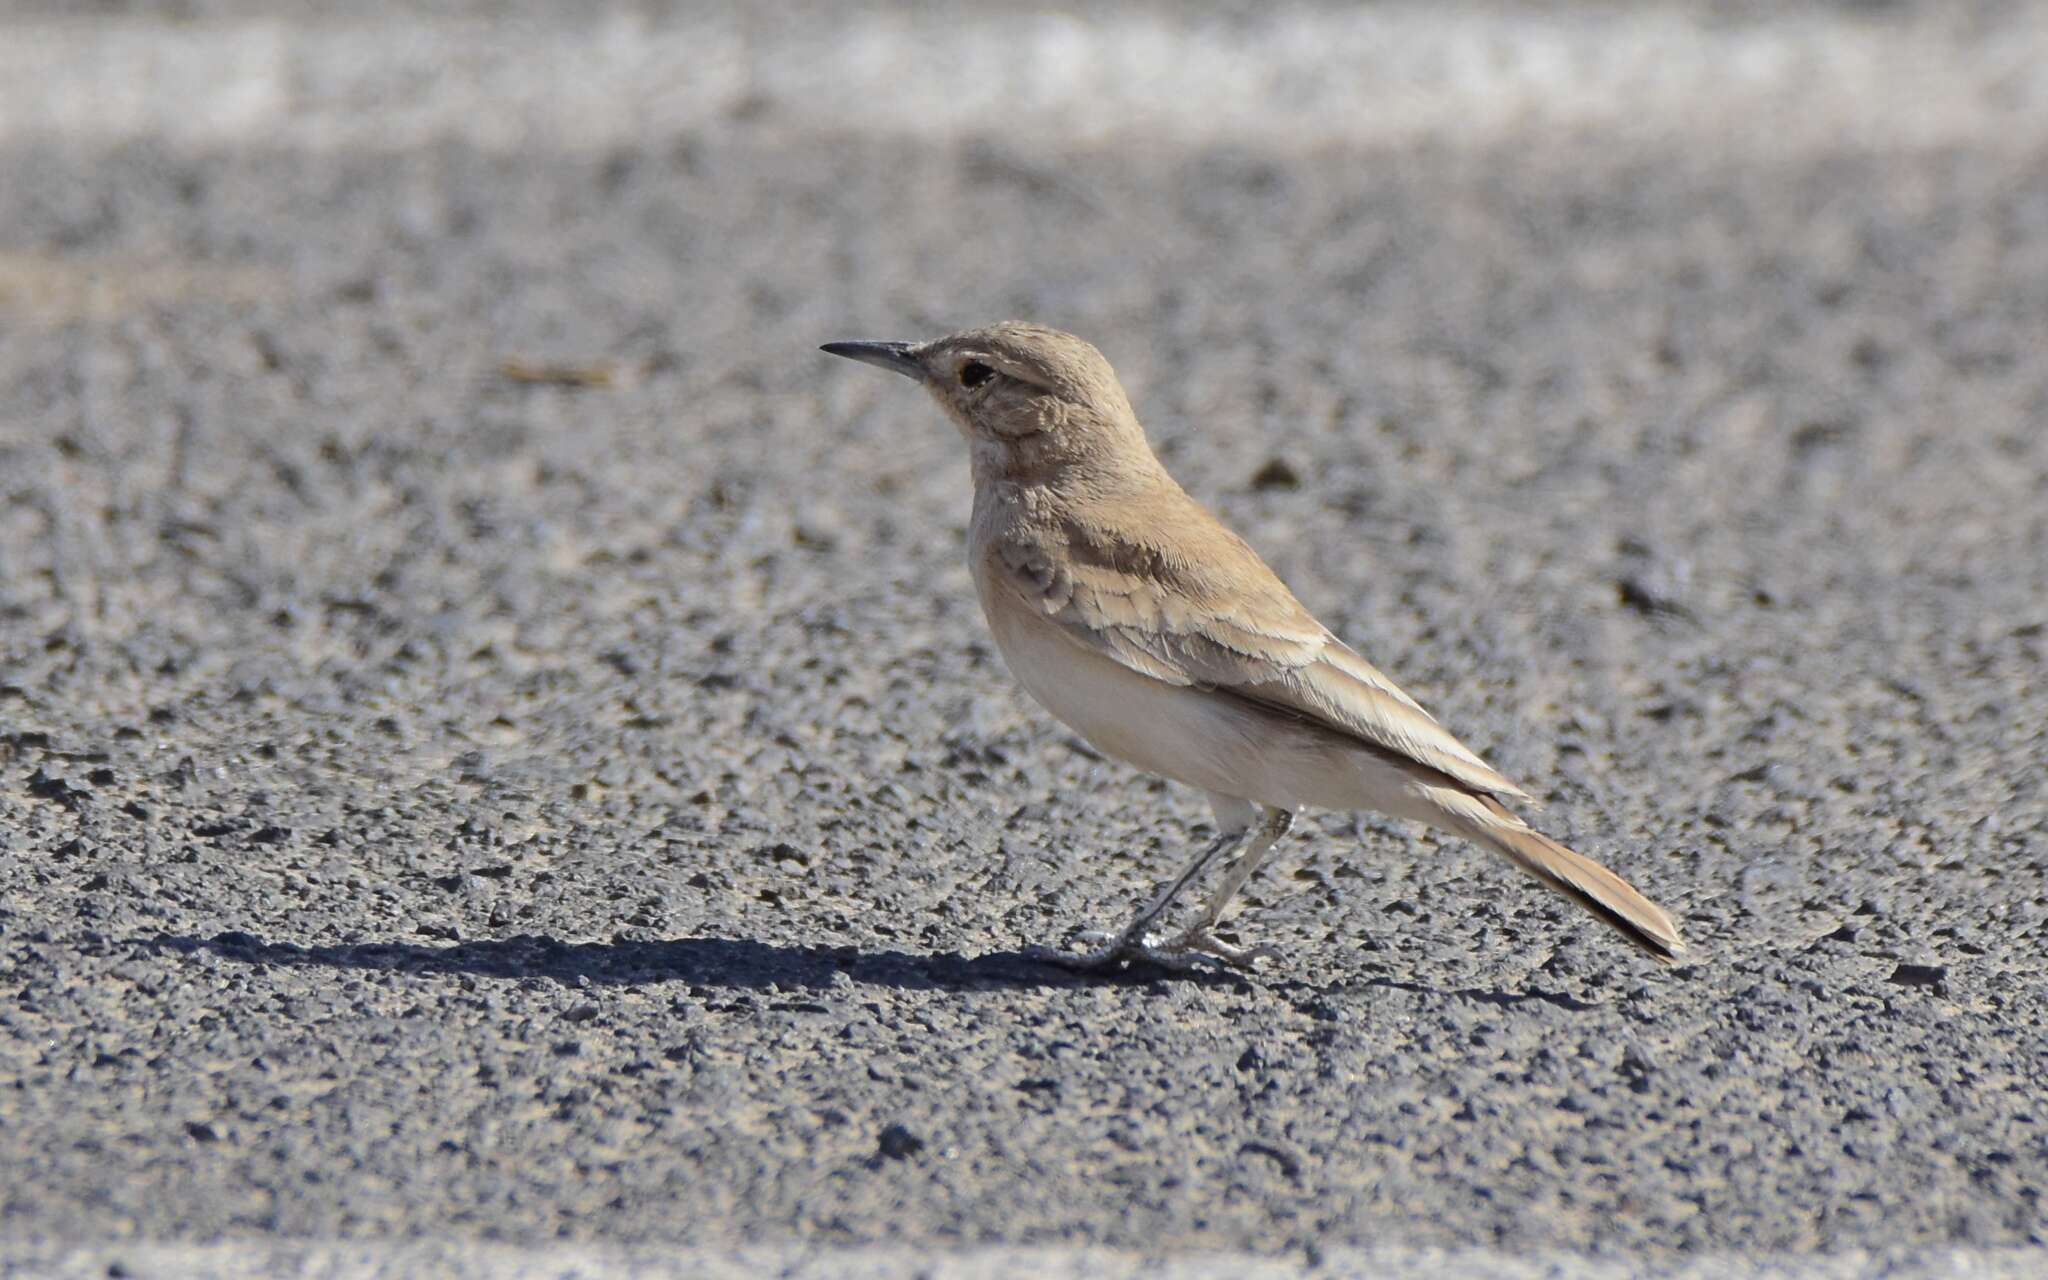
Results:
974 373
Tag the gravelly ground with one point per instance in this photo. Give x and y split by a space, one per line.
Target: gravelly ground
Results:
441 807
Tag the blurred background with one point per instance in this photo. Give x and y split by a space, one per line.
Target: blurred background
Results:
425 518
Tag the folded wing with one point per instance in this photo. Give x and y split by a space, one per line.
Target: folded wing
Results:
1204 610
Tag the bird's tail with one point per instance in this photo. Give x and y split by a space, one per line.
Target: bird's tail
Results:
1613 900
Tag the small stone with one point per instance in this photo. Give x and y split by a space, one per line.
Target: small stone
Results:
898 1143
1932 976
1276 474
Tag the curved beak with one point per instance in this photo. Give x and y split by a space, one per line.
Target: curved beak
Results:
897 357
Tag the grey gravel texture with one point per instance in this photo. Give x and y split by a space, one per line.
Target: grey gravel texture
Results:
449 805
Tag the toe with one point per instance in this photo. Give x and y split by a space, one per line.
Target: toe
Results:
1202 942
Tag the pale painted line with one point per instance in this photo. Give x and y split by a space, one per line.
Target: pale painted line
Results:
1285 78
423 1259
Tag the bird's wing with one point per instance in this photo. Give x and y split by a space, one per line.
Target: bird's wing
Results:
1195 606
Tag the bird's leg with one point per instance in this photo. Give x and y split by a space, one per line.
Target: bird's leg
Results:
1198 940
1130 944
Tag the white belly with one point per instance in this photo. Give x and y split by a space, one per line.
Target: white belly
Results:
1195 736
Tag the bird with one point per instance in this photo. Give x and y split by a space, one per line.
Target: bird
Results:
1159 636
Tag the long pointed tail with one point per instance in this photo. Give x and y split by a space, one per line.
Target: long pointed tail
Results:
1613 900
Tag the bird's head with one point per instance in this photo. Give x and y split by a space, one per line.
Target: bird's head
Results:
1033 402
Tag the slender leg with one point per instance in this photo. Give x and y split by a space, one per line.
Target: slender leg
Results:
1198 938
1130 943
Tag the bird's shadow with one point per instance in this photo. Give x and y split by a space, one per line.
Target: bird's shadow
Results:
741 964
725 963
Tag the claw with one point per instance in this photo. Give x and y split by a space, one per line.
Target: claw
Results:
1200 942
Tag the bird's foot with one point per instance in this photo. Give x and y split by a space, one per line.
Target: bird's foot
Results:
1200 942
1116 951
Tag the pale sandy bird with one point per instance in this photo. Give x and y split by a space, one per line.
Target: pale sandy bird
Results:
1162 639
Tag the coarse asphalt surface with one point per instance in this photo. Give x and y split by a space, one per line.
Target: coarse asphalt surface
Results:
502 771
